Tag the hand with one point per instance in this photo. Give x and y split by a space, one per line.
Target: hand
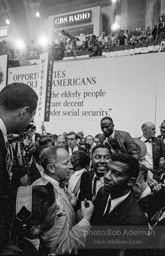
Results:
73 200
157 187
87 211
151 182
24 180
79 215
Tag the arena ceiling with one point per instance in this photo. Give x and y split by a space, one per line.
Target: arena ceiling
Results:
21 13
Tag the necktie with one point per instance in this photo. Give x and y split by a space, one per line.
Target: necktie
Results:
108 208
94 185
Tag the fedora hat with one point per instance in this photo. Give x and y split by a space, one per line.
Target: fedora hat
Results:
141 147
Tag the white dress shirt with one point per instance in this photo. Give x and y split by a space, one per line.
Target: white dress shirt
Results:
115 202
71 150
146 192
147 161
99 184
9 156
73 181
3 129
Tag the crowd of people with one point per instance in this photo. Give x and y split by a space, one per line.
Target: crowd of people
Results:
69 46
56 188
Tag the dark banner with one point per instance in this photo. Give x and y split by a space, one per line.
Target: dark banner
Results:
48 89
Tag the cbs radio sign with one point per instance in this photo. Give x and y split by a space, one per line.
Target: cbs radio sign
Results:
70 19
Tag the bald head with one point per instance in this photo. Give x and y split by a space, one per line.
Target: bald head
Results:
148 129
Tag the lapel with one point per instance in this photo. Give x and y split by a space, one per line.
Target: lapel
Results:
90 175
99 207
121 208
118 138
61 195
103 198
116 135
89 182
155 149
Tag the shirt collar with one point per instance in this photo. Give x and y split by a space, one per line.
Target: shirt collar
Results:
78 173
143 138
101 178
115 202
118 200
112 135
52 180
146 192
3 129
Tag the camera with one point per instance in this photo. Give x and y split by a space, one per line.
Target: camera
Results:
21 136
16 137
63 32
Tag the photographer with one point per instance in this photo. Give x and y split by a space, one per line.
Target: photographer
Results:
18 103
22 147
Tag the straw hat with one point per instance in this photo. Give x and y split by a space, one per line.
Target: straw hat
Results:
141 147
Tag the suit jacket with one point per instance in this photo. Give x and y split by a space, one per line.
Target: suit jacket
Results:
153 203
85 188
5 200
125 141
65 236
158 151
127 213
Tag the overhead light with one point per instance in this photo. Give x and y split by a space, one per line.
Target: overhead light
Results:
37 14
20 44
114 1
7 21
43 41
115 26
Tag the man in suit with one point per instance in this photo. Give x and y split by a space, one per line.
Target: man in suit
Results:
80 162
93 180
18 103
115 203
72 141
65 237
123 138
155 150
162 131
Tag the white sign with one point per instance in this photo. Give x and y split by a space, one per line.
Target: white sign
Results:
3 71
70 19
129 89
43 71
28 75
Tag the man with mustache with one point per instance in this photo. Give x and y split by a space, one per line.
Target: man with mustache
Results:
115 204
